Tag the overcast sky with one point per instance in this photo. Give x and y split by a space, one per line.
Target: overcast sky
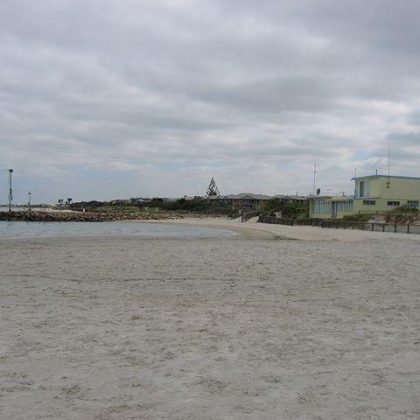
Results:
121 98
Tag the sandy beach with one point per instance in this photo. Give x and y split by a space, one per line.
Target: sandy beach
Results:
276 323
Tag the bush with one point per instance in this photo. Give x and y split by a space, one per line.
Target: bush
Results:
406 209
357 218
402 215
288 210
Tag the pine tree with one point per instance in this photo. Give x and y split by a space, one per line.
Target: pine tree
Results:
212 190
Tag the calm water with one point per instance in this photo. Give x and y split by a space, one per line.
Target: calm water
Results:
78 229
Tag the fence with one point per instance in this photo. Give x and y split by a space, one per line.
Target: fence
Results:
246 216
288 222
341 224
374 227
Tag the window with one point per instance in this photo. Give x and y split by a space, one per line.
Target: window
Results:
413 204
364 188
369 202
321 206
393 203
345 206
361 189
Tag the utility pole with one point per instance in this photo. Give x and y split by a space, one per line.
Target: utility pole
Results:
10 189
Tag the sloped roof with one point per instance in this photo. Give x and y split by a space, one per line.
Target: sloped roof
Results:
292 197
249 196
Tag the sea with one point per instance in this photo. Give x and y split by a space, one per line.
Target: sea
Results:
33 230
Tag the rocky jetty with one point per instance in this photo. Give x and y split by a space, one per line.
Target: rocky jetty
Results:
75 216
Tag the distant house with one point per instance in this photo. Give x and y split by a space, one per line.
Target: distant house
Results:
300 205
243 201
120 202
253 202
290 199
372 194
139 200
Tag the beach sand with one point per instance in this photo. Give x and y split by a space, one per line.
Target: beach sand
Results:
248 327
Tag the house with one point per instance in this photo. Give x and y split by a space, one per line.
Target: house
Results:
290 199
380 193
243 201
299 204
372 194
139 200
327 207
254 202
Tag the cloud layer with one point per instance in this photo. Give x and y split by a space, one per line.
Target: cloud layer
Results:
106 99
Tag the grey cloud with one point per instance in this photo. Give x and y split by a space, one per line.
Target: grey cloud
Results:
405 139
414 118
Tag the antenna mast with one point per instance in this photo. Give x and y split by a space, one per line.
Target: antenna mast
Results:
314 186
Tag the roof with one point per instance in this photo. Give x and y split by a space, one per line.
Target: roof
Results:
342 198
251 196
291 197
385 176
333 198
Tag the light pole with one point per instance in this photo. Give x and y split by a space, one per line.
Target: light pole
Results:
29 201
10 189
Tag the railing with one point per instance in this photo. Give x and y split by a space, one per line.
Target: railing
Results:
341 224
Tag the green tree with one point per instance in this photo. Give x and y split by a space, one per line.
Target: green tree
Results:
212 190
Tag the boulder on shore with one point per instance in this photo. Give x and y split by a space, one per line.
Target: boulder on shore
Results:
73 216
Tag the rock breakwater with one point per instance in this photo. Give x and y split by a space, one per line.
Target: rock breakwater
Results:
74 216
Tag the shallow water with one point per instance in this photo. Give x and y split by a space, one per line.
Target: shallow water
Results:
30 230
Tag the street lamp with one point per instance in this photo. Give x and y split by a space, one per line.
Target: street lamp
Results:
10 189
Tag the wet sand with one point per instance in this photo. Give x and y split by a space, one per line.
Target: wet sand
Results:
250 327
